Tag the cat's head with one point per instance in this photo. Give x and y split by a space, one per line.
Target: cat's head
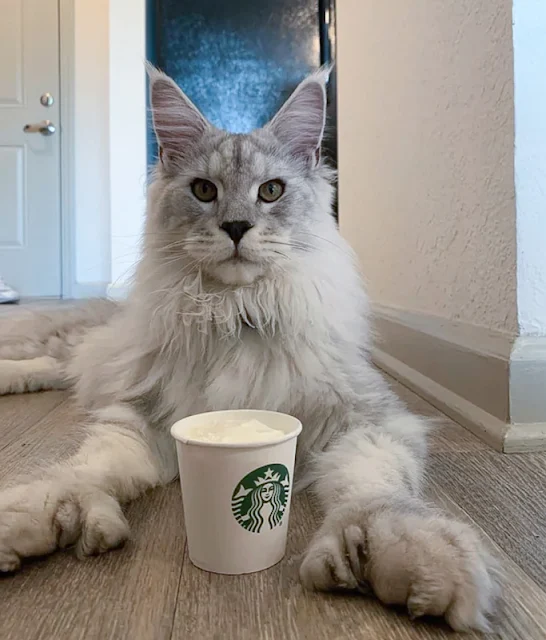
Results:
238 207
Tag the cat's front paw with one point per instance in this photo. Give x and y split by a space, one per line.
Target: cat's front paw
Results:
37 518
407 556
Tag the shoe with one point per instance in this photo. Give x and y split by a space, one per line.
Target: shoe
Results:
7 294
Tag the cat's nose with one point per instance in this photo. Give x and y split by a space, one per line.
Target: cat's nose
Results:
237 229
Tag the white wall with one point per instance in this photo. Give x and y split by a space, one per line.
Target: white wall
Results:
91 140
426 154
127 134
110 141
530 101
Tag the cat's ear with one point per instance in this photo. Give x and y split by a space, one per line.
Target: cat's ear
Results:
177 122
299 124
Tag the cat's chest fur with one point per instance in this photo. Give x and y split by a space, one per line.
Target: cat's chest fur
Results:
251 371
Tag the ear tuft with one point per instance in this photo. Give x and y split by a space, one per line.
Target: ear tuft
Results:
177 122
299 124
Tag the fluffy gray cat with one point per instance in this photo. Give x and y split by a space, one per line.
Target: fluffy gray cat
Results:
246 296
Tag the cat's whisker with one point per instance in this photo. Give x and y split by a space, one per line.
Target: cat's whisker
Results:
186 242
336 245
294 244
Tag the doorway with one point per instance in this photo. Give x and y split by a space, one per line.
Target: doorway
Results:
238 60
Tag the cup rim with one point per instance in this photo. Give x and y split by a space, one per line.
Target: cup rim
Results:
294 433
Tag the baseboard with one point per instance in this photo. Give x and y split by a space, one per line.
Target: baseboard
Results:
491 383
483 424
528 380
525 438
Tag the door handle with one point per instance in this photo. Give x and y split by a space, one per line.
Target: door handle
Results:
46 128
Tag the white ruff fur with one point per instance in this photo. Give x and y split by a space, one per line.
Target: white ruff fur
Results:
283 328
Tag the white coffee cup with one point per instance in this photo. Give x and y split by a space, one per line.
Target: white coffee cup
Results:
236 496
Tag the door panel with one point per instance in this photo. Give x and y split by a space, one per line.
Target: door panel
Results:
12 171
30 220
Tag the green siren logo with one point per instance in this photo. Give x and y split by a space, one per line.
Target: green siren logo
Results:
260 499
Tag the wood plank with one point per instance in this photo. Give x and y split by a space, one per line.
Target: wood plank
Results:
20 412
126 594
214 606
272 605
151 590
506 496
43 442
523 614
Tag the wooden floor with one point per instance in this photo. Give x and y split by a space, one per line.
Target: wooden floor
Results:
149 589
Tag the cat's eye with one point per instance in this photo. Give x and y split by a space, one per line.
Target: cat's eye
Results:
204 190
271 190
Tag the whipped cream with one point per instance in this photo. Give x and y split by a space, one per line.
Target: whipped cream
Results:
234 432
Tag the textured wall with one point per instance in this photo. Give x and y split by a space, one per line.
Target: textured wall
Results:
530 101
426 135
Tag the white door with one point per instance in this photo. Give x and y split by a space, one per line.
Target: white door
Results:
30 213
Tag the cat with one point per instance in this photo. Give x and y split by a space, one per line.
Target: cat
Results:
246 296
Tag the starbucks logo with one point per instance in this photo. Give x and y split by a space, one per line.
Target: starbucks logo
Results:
260 499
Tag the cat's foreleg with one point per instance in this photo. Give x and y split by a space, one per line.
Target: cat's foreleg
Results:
78 501
378 533
34 374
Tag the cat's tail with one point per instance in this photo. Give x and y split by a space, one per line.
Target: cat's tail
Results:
35 345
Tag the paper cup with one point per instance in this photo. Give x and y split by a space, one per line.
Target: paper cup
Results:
236 496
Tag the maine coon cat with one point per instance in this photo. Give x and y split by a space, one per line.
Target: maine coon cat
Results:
246 296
